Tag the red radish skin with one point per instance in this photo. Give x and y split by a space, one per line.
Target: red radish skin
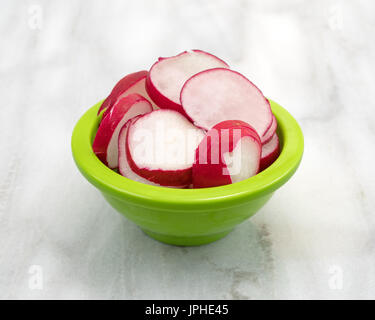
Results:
162 133
270 152
105 142
220 94
270 132
168 75
131 83
210 167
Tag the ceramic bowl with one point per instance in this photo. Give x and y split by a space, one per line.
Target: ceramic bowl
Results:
188 216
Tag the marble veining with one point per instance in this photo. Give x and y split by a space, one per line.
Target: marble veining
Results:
60 239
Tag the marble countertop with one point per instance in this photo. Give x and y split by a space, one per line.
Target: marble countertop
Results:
58 236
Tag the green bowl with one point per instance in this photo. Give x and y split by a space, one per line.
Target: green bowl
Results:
188 217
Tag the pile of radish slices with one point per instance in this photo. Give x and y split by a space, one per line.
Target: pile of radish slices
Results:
189 122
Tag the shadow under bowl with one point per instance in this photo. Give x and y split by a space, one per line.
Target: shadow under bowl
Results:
188 216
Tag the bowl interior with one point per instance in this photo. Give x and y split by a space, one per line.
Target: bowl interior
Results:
267 181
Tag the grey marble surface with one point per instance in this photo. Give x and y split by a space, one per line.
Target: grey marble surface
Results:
60 239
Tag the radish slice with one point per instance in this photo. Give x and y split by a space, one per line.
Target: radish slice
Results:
168 75
161 147
270 152
124 167
270 132
229 153
132 83
216 95
105 142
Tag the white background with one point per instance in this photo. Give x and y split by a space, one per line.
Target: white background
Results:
60 239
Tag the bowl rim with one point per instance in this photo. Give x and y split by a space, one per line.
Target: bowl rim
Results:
265 182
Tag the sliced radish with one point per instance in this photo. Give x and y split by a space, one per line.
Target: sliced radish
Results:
270 132
168 75
216 95
124 167
270 152
161 147
105 142
229 153
132 83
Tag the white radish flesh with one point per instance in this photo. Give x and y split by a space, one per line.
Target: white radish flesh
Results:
216 95
161 147
124 167
241 162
